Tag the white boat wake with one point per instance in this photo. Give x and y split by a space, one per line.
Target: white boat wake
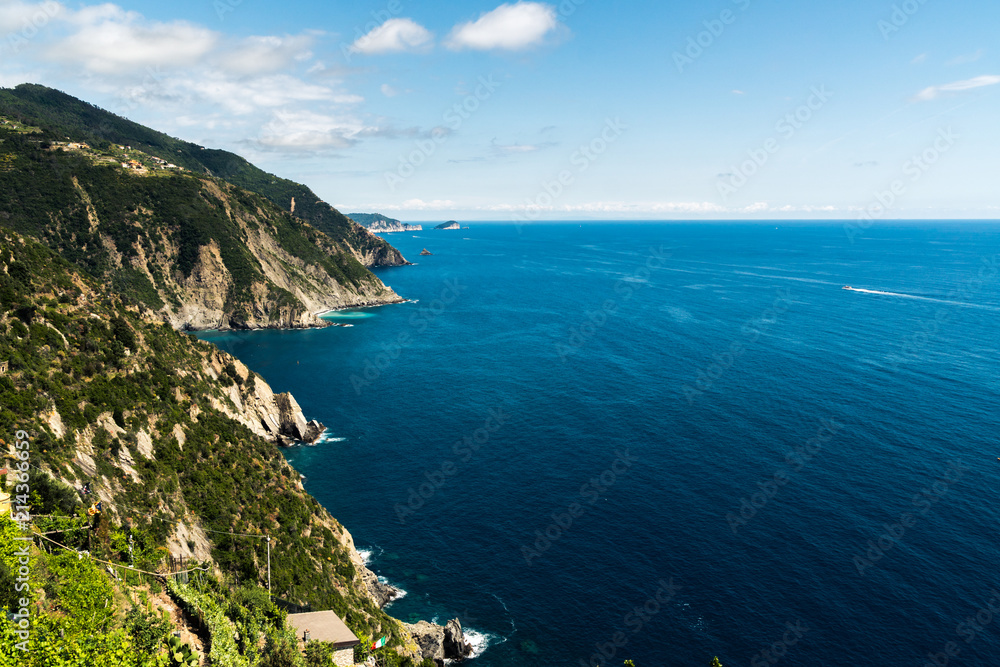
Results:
961 304
875 291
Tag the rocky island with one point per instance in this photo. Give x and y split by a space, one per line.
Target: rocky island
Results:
451 224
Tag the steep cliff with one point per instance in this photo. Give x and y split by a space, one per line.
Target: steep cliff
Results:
200 252
175 439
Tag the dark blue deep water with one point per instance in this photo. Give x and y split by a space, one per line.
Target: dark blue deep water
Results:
699 405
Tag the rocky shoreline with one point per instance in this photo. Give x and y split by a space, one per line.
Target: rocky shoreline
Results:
301 322
279 418
437 642
441 643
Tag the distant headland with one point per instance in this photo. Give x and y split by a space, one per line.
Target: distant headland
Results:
380 224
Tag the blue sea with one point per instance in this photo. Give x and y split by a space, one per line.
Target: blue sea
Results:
668 442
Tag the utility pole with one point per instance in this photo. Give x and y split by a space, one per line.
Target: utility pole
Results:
269 564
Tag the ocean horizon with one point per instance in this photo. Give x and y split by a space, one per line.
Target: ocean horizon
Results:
668 441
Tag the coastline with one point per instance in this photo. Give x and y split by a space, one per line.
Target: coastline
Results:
317 319
337 309
442 643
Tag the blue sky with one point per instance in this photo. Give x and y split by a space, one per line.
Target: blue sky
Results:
714 109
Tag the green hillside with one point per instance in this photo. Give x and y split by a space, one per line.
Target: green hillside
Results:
145 229
144 417
66 117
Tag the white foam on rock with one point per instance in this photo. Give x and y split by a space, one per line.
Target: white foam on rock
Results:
480 641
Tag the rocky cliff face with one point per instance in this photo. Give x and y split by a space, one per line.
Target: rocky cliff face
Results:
289 290
439 643
200 251
373 251
251 401
385 227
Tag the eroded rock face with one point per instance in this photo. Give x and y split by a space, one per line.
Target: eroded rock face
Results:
381 593
372 250
281 290
276 417
314 429
430 638
292 423
455 646
441 643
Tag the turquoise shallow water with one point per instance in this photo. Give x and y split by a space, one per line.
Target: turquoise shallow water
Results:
666 442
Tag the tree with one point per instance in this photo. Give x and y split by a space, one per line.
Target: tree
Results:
319 654
281 651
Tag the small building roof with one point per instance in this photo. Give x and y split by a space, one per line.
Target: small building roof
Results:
323 626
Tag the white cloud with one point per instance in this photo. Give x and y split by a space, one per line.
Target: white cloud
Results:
304 131
392 91
89 14
933 92
515 148
244 96
414 205
637 210
112 41
433 205
919 59
510 27
27 18
646 207
967 58
251 92
393 36
263 55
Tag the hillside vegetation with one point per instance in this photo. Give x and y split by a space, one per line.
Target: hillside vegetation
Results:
157 426
68 117
197 249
